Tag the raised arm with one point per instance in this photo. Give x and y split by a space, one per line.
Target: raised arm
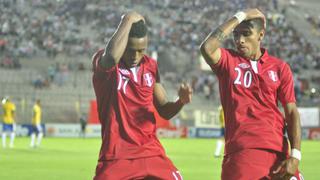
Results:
210 47
118 42
168 109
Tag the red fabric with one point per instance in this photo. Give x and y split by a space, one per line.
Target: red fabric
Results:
126 110
156 167
93 115
161 122
252 164
249 100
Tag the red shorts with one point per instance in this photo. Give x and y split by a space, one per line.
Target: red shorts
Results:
252 164
150 168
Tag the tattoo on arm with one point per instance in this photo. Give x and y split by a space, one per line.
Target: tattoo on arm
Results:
218 34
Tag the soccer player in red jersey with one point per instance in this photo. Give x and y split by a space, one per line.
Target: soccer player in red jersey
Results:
251 82
128 92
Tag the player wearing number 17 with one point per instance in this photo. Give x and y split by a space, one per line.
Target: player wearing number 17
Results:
128 91
251 83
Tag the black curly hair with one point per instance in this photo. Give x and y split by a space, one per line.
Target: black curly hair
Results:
138 29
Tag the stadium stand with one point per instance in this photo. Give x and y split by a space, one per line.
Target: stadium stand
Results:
46 46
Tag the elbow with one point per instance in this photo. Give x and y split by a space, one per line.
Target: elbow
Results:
208 47
106 56
203 48
164 115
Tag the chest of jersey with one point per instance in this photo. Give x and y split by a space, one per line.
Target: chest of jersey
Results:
136 82
254 78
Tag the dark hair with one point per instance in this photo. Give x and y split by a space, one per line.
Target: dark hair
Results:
138 29
254 23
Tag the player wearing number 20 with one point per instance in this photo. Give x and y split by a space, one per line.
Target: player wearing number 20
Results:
251 82
128 91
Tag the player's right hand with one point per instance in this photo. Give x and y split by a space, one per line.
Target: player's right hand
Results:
133 16
286 169
255 13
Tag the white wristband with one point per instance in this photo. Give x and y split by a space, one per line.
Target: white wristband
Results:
240 16
295 153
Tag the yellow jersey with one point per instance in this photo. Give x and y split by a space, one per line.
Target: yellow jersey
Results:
221 116
36 118
8 112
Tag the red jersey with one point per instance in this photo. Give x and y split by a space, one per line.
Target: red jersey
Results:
126 109
249 95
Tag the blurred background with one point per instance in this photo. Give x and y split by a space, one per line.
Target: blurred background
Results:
46 48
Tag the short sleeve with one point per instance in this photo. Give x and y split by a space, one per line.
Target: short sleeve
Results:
222 64
96 67
286 89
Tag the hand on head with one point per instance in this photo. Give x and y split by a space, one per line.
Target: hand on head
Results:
255 13
133 16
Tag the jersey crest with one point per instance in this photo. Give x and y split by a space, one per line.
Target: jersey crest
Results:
148 79
273 75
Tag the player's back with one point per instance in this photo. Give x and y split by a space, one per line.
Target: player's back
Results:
8 112
36 119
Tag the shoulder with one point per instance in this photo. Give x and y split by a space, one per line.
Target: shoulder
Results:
281 67
149 61
280 63
230 52
96 57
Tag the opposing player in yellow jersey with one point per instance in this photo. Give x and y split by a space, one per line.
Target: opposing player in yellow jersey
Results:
8 121
36 125
220 141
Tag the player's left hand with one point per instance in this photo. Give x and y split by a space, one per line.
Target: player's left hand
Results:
287 168
185 93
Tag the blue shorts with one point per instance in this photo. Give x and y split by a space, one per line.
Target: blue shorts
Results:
8 127
36 129
222 132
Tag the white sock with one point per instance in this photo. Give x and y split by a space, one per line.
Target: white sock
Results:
12 135
218 147
33 137
4 136
40 135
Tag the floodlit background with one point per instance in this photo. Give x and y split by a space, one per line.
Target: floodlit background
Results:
45 52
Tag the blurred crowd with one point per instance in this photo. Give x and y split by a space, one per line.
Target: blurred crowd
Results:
315 23
79 27
42 27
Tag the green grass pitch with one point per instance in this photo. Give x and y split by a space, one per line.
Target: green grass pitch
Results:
68 159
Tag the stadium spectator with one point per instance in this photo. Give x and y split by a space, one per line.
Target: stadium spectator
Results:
8 125
37 132
251 82
129 92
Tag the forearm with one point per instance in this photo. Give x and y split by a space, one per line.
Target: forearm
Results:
294 129
214 39
117 44
170 109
